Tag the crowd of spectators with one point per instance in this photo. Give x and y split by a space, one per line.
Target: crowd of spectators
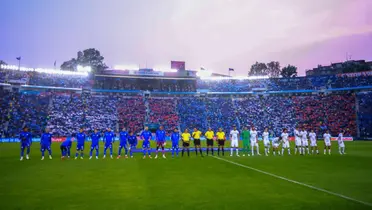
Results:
326 112
131 113
192 113
3 76
220 113
59 80
341 113
310 112
298 83
5 104
272 112
365 114
100 112
29 110
347 81
163 111
8 76
44 79
164 85
231 85
279 84
66 114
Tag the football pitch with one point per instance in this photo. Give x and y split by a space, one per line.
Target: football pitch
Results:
259 182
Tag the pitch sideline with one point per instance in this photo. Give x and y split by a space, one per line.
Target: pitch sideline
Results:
296 182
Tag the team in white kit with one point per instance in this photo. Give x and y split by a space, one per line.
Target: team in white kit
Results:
301 136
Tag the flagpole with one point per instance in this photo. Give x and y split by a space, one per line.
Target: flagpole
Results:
19 64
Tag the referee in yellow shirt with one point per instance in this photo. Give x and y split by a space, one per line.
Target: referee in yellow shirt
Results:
221 141
185 136
209 135
196 135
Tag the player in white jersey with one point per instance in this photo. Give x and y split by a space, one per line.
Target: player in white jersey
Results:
305 143
285 144
327 142
266 141
234 136
254 141
276 142
297 141
341 145
313 144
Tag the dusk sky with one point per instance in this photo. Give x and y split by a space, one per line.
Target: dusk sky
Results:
215 34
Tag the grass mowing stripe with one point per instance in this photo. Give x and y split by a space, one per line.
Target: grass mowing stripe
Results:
296 182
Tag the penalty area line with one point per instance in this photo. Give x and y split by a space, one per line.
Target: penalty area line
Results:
296 182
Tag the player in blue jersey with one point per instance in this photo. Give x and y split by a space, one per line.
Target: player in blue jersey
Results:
80 142
160 141
109 138
26 140
95 136
132 140
123 136
146 137
66 148
45 143
175 137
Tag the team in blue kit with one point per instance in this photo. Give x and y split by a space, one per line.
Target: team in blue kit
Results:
109 138
132 140
123 137
80 139
127 141
175 138
146 137
95 136
26 140
45 143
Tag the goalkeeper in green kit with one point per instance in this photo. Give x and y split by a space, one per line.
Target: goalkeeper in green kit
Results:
246 135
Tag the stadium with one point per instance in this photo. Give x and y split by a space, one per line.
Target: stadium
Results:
174 137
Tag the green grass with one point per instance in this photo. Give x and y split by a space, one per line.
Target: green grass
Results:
184 183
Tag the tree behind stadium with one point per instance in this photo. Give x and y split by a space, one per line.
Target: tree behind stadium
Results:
258 69
271 69
289 71
89 57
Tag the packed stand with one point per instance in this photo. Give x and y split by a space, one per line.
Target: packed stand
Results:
131 112
66 114
348 81
164 85
298 83
231 85
29 110
14 76
192 113
100 112
5 105
220 113
163 111
310 112
365 114
273 112
326 112
58 80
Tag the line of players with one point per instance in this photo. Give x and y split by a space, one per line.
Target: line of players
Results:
128 142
